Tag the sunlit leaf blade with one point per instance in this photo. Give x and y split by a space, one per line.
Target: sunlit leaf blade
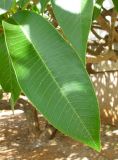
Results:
5 5
53 77
116 4
97 9
74 17
8 79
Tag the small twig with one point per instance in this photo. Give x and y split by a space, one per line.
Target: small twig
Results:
108 55
112 28
95 33
54 21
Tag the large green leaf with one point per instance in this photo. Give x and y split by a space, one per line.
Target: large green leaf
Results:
74 17
8 79
53 77
116 4
5 5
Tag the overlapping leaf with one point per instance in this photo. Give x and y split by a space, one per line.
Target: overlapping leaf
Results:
22 3
74 17
8 79
5 5
43 4
53 77
97 8
116 4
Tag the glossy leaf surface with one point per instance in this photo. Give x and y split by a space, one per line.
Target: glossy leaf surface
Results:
53 77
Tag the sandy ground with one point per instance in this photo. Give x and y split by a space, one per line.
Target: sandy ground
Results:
15 145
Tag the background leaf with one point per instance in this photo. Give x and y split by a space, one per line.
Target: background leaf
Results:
53 77
6 5
97 8
116 4
7 75
74 17
22 3
43 4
